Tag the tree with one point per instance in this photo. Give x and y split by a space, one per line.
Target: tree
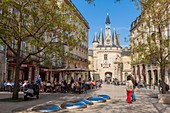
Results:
155 15
44 25
155 22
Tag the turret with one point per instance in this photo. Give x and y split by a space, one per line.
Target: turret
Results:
101 38
95 41
107 19
114 37
108 37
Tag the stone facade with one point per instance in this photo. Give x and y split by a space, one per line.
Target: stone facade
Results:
75 62
76 65
126 60
106 58
149 73
2 65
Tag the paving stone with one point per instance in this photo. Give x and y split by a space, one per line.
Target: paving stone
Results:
117 104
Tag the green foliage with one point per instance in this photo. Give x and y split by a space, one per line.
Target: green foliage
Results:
45 25
154 20
39 23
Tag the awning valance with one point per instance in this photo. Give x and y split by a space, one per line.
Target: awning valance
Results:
68 69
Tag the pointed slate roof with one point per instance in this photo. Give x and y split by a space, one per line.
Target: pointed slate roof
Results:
107 19
95 38
101 38
114 37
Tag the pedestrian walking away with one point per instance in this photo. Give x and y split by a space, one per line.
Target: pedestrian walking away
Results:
134 86
129 88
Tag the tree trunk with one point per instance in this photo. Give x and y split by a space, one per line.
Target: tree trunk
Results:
16 85
162 68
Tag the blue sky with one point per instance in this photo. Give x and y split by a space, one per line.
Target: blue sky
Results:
121 16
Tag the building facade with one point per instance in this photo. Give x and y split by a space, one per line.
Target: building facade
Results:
73 64
150 72
3 60
126 61
106 58
75 61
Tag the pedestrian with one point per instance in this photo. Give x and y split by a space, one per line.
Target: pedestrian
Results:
129 88
133 92
9 86
159 85
39 80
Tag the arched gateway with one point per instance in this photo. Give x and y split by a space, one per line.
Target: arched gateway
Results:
108 76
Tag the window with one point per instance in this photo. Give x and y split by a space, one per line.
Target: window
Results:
75 65
105 56
33 48
1 47
14 44
24 46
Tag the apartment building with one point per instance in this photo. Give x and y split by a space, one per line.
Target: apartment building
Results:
74 62
2 64
148 72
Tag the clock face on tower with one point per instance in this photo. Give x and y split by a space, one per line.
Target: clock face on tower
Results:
107 41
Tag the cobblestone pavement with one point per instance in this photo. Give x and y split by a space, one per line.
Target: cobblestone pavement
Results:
146 103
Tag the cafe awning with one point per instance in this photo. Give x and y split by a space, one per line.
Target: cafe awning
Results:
68 69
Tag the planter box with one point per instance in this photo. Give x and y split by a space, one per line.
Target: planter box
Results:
164 98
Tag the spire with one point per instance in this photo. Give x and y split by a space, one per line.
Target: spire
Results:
95 38
101 39
114 37
107 19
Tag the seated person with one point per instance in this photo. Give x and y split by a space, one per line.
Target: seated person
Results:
63 87
48 86
98 83
77 87
92 84
140 85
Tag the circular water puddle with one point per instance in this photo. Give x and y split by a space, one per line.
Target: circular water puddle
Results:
96 99
87 102
73 105
46 108
104 96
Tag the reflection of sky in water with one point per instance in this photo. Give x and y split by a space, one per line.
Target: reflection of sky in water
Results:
97 99
104 96
71 105
86 102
